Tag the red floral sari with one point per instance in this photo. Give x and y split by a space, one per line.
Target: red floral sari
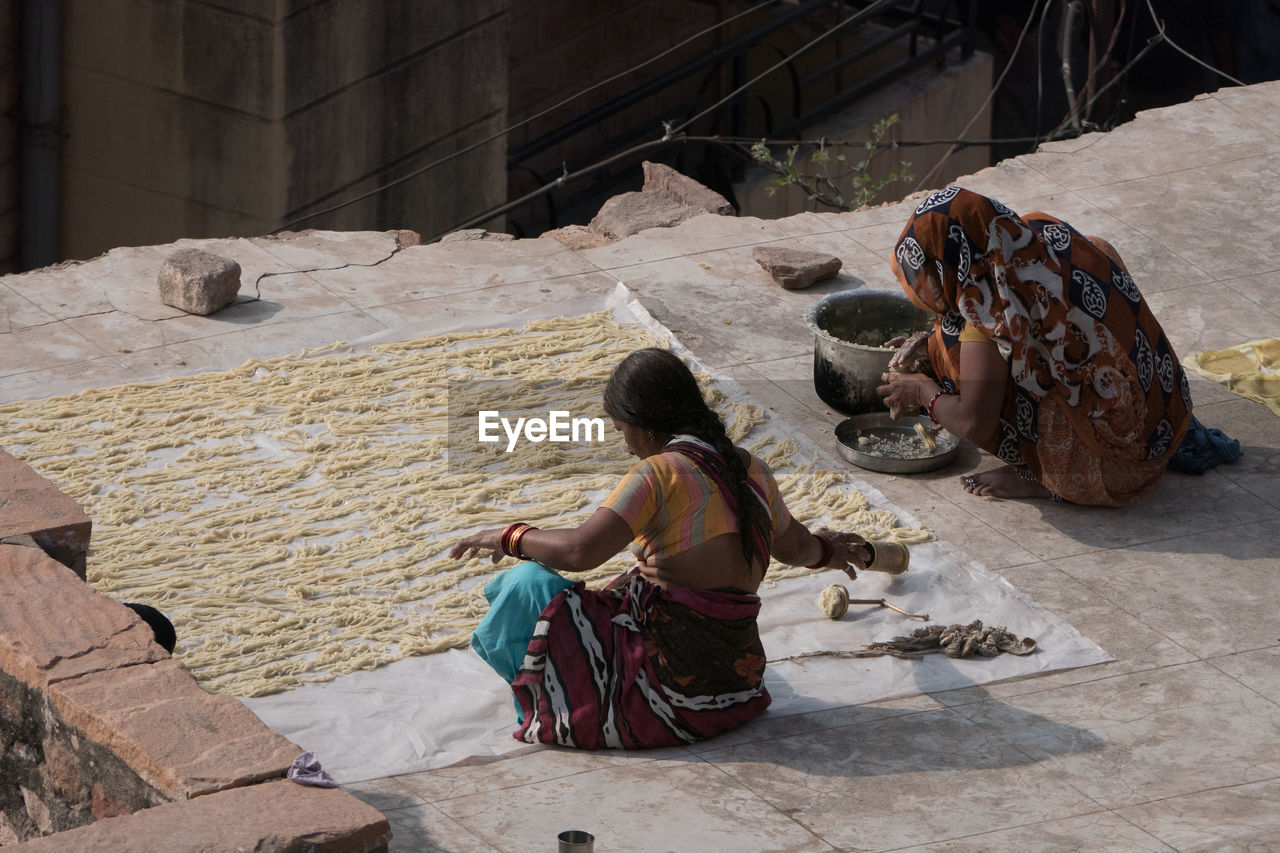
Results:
1098 400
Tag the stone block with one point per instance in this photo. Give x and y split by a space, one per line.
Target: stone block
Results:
198 282
32 505
165 727
274 816
55 627
796 269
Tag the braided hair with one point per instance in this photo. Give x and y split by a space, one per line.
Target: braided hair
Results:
653 389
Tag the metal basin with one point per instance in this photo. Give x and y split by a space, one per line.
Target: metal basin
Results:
848 329
876 428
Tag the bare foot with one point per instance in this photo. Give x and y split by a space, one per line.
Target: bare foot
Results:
1004 482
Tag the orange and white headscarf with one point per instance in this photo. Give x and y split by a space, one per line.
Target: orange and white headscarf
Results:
1063 311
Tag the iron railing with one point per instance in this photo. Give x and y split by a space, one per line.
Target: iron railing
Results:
930 31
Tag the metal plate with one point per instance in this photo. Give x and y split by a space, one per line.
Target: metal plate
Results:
878 424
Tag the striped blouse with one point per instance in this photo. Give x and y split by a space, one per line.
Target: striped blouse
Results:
671 505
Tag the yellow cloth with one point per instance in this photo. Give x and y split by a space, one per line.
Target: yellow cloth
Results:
1251 370
969 333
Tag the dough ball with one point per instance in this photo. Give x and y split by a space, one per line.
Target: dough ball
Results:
834 601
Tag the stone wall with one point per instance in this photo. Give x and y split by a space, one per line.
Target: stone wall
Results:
196 118
105 738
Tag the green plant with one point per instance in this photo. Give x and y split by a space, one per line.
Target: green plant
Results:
850 187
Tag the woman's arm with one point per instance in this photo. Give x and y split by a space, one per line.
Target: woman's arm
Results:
973 413
796 546
577 549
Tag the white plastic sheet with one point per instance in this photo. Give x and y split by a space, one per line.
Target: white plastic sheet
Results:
429 712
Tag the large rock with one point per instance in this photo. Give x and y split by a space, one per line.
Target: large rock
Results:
198 282
667 198
684 190
796 269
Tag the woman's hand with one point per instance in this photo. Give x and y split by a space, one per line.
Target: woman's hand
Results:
912 354
485 540
906 392
848 551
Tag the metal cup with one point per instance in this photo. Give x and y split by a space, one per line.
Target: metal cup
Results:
575 841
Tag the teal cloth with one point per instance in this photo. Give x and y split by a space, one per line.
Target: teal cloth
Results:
1202 448
516 598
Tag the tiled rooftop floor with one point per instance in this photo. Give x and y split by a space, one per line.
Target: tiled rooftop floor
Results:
1175 746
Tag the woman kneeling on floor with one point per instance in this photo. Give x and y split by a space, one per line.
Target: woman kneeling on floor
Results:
1043 353
669 652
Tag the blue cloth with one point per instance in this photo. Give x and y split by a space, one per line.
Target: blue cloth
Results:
516 598
1203 448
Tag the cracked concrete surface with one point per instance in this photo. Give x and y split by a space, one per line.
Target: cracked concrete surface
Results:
1174 746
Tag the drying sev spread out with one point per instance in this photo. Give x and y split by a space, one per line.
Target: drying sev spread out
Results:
293 516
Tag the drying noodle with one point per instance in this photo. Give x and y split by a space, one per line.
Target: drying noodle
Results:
293 516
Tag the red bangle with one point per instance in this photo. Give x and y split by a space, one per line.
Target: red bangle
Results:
932 400
510 538
517 539
827 550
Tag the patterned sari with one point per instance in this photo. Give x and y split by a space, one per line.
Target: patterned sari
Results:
1098 400
633 665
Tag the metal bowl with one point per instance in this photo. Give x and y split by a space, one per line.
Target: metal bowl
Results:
878 424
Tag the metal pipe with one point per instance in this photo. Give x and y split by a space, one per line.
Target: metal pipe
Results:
41 133
1069 13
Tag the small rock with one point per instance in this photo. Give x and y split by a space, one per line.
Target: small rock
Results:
577 237
8 835
37 811
198 282
796 269
475 234
405 238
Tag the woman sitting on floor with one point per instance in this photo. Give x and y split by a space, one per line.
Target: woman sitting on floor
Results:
669 652
1044 352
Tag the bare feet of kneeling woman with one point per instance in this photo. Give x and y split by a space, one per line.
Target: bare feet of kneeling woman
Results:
1006 482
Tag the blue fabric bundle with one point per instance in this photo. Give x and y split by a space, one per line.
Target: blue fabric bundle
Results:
1202 448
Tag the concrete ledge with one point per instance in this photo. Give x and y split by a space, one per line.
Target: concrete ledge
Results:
275 816
31 505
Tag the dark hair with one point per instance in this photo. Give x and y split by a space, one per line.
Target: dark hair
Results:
161 627
654 389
